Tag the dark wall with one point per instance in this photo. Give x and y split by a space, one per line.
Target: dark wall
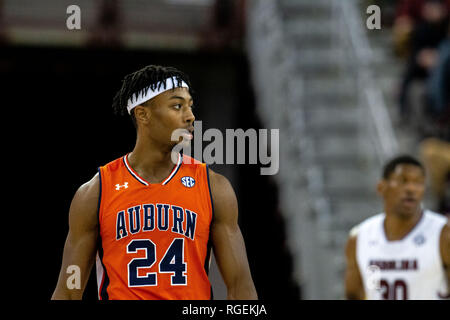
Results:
58 102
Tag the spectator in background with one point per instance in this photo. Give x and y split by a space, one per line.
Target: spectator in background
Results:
435 151
226 28
408 14
388 11
107 28
436 157
438 89
2 25
425 38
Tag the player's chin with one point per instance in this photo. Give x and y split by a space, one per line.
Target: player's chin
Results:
181 143
406 211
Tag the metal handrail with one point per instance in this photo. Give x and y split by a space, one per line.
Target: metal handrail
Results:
388 143
271 57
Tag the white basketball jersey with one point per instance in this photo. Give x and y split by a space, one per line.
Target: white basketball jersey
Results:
408 269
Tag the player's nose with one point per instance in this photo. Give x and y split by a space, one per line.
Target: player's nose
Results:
189 116
412 188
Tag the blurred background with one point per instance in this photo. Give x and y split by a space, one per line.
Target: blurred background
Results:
344 97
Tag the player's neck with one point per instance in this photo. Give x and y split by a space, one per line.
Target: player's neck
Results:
151 162
396 228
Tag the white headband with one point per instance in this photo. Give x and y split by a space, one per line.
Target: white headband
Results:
143 96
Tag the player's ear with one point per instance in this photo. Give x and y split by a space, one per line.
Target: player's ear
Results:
142 114
381 187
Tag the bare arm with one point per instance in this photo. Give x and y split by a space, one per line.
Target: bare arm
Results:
445 254
354 289
228 243
81 241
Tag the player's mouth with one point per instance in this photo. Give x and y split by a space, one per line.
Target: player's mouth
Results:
409 201
189 134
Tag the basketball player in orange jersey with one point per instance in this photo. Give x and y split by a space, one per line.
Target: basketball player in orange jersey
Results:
404 252
148 223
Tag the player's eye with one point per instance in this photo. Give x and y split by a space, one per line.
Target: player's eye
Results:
178 106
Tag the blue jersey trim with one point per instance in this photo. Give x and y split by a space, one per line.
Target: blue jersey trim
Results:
209 244
103 294
145 183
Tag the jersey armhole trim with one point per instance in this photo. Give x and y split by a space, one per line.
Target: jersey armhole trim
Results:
102 293
99 194
210 193
209 244
441 260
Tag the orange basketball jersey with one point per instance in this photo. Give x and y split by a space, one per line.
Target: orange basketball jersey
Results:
154 238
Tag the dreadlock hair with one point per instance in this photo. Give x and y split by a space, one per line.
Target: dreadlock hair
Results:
143 79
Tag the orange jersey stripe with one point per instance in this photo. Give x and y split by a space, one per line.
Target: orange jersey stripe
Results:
154 237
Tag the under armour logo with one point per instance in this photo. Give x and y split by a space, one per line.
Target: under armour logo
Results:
124 185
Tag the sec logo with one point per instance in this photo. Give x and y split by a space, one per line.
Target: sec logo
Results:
188 182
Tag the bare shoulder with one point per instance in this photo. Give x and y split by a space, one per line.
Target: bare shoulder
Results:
350 247
358 230
445 233
218 179
84 204
90 190
446 229
224 198
220 186
445 242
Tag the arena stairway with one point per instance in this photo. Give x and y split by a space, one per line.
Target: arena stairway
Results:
388 71
335 123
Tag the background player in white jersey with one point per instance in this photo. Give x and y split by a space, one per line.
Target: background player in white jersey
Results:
404 252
